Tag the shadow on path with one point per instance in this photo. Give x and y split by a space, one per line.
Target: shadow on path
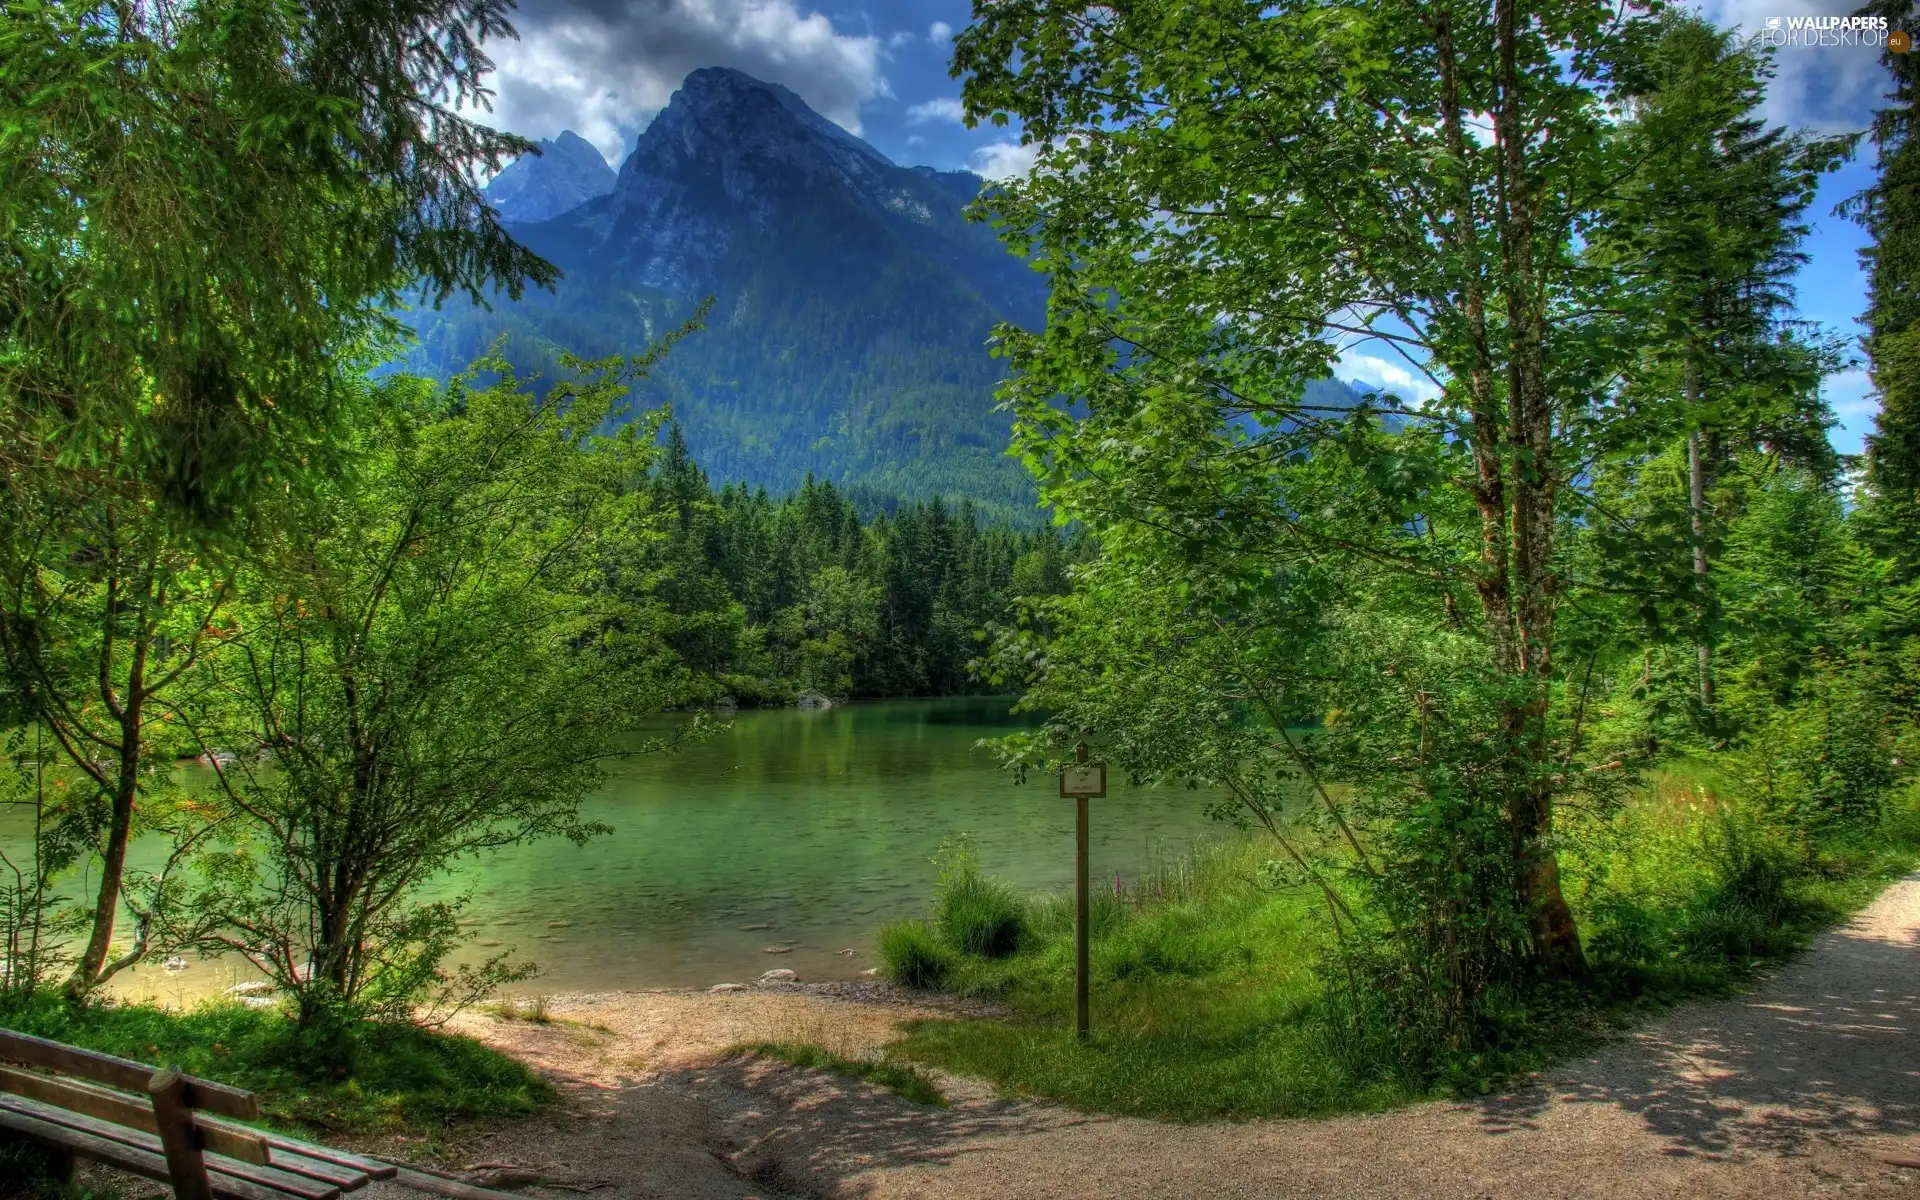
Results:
1828 1046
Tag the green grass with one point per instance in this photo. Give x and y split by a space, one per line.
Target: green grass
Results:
911 956
385 1077
1205 1004
1209 1001
902 1079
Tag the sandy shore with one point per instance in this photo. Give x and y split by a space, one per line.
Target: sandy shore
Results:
1803 1088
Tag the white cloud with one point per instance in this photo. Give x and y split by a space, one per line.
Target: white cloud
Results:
1384 374
603 68
945 108
1005 160
939 32
1829 89
900 39
916 140
1855 405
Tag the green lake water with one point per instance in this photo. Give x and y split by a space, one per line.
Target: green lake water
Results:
817 824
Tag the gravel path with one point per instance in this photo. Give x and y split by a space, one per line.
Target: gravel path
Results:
1803 1088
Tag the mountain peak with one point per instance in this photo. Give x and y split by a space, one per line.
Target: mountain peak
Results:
566 173
573 143
732 120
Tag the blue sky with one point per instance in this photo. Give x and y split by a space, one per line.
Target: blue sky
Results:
603 68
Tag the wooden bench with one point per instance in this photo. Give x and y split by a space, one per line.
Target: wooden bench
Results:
166 1126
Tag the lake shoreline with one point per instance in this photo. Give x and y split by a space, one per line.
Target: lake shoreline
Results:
564 1034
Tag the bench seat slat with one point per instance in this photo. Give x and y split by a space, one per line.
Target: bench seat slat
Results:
373 1168
234 1141
122 1156
281 1183
345 1178
123 1073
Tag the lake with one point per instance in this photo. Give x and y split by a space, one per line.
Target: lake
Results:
818 825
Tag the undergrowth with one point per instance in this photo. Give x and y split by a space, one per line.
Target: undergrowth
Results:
1217 996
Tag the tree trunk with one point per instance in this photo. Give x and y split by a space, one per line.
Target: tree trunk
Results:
113 864
1697 501
1535 588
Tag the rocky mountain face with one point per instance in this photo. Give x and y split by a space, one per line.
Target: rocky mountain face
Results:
852 299
566 173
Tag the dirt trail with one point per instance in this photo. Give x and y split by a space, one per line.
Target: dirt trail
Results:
1799 1089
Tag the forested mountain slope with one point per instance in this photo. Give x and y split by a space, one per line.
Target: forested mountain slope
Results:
853 300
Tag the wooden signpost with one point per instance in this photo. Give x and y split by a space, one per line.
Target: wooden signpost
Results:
1083 781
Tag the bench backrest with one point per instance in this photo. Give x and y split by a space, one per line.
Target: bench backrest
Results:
169 1104
123 1073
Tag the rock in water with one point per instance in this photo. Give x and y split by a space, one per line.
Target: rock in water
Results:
780 975
726 987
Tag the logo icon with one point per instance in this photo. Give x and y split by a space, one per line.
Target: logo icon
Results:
1899 41
1773 22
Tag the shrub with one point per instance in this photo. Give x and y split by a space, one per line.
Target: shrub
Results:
1751 863
912 957
973 913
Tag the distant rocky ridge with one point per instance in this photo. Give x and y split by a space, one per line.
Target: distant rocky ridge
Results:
566 173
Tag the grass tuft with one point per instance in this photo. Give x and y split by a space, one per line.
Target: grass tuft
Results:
902 1079
912 957
975 914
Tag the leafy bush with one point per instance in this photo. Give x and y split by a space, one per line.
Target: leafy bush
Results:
973 913
912 957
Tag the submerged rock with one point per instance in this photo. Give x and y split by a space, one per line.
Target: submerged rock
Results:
780 975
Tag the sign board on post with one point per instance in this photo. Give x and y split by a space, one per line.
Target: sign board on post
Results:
1081 780
1084 779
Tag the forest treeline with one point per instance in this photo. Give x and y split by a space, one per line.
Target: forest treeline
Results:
763 597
